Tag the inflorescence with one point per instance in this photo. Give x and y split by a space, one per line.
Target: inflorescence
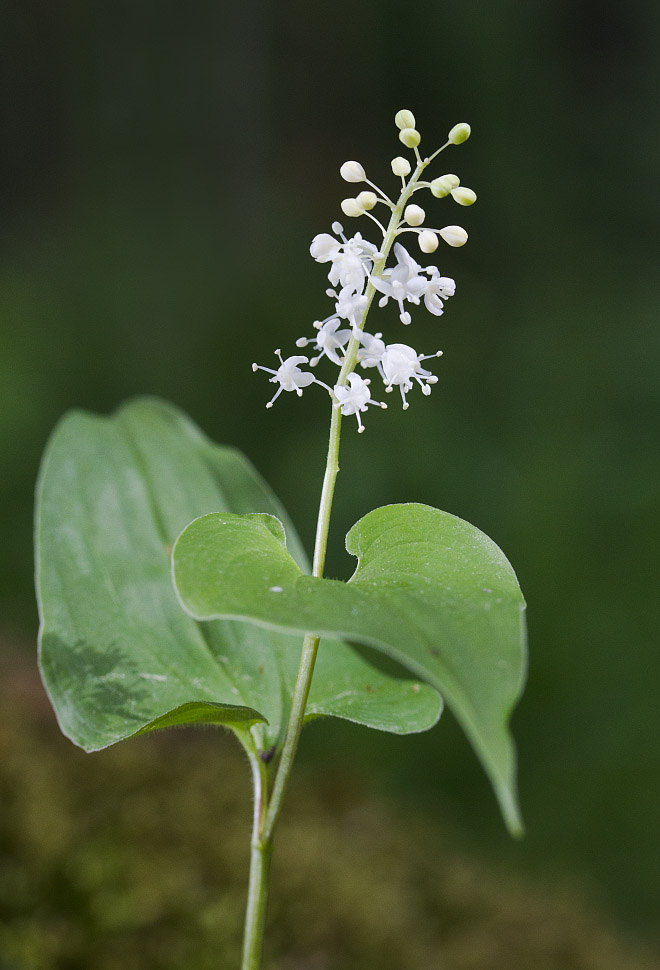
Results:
358 270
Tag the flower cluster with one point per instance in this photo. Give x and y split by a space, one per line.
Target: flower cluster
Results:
358 271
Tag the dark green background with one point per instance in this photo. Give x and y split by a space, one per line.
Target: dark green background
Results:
164 168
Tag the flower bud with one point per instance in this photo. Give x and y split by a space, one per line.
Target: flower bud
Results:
367 200
443 185
454 236
404 119
459 133
463 195
428 241
410 137
414 215
351 208
352 172
400 166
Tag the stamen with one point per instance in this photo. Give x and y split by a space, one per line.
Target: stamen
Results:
275 397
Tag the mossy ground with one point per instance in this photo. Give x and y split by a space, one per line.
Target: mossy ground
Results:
135 859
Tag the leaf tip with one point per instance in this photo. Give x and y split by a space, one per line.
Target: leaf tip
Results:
508 800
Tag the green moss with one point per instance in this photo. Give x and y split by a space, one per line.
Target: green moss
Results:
135 859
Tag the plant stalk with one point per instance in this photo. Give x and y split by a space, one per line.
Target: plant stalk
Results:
260 856
268 808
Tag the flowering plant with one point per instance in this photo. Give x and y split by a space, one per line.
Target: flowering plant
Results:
358 268
173 589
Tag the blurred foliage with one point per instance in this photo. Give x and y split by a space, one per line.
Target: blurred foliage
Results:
164 169
136 858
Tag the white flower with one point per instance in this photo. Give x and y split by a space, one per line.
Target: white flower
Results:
324 247
355 397
401 366
352 260
328 340
350 306
402 282
371 351
352 267
289 376
438 288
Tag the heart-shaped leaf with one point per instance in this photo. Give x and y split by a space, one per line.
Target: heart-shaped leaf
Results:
430 590
118 655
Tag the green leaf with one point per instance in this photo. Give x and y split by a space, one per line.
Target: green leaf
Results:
429 590
118 655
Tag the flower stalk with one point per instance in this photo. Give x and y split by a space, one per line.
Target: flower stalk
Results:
359 268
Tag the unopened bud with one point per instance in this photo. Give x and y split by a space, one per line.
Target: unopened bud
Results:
443 185
404 119
367 200
414 215
410 137
352 172
428 241
400 166
351 208
454 236
463 195
459 133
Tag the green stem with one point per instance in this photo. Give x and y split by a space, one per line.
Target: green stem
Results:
298 703
260 856
267 809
